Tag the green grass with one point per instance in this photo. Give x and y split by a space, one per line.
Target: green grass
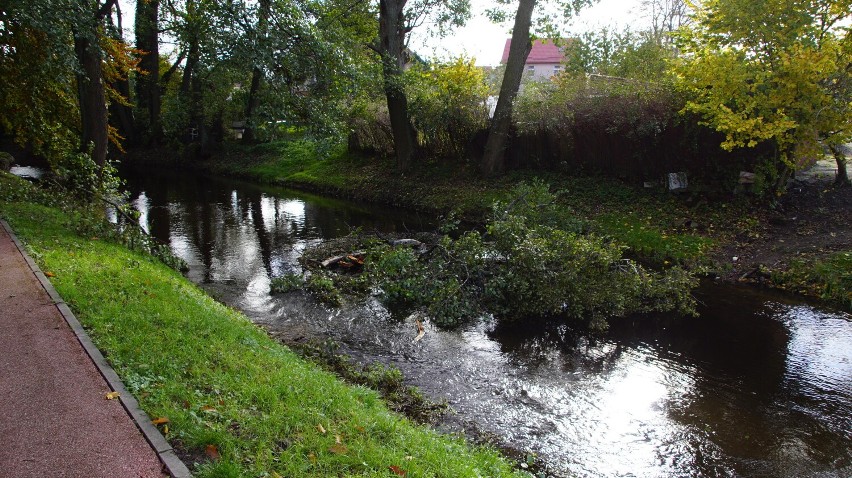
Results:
652 242
221 381
829 278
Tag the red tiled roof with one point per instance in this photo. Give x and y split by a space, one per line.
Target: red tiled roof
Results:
543 51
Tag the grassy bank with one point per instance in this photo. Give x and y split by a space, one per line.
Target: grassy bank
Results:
829 278
237 403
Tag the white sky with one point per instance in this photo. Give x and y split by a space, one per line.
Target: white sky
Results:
484 40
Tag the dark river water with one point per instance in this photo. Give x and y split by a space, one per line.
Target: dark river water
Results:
759 385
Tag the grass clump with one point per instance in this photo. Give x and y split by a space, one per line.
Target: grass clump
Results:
388 381
221 381
287 283
829 278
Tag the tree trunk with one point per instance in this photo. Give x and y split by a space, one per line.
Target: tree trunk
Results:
192 59
190 90
494 159
257 73
842 178
251 105
121 115
148 92
90 91
392 32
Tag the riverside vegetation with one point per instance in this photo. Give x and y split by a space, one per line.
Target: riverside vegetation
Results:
232 400
700 230
628 107
533 259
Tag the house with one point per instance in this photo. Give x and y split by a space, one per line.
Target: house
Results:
545 59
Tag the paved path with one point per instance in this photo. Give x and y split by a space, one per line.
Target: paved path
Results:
823 170
54 418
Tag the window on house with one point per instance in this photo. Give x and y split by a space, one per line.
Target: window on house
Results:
558 68
530 67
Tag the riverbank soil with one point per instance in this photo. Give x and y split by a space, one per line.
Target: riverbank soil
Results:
56 420
812 223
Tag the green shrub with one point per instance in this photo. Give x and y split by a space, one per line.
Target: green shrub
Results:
447 105
531 261
287 283
323 288
829 278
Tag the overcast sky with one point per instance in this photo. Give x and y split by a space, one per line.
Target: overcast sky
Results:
484 40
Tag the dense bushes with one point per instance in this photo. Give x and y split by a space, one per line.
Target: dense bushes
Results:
447 104
618 127
623 128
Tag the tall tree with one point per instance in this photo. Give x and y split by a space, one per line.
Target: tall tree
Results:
494 160
117 65
397 18
257 71
94 127
148 89
666 16
38 104
836 115
392 48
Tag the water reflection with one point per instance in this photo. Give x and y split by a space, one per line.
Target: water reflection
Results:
237 236
757 386
27 172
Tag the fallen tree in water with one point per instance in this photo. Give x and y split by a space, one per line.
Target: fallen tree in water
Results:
532 259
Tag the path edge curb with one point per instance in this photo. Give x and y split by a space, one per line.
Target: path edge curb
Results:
176 468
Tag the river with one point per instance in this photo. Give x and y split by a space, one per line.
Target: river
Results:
759 385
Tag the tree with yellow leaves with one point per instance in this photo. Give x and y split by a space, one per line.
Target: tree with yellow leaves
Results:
771 71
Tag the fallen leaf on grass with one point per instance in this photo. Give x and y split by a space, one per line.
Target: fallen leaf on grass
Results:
112 395
399 471
338 448
312 458
50 274
337 439
208 409
160 421
212 452
321 428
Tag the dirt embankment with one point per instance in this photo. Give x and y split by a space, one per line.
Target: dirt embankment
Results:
813 220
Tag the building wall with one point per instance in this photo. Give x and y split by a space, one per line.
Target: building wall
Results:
542 71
